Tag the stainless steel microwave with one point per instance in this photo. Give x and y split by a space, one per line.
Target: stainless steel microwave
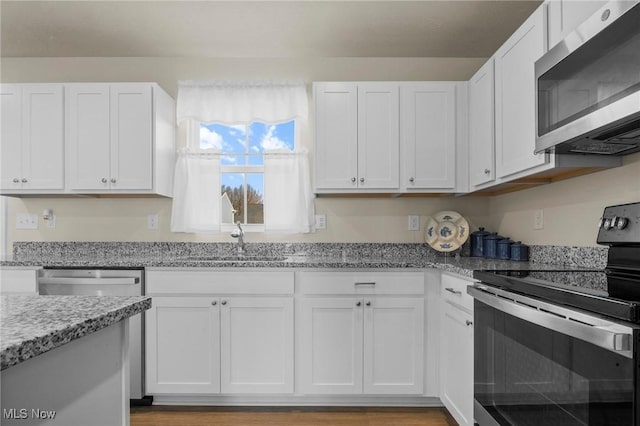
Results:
588 86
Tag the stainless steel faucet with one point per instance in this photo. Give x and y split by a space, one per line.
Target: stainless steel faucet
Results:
239 234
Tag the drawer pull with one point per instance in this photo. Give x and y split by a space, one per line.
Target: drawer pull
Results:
451 290
366 283
469 322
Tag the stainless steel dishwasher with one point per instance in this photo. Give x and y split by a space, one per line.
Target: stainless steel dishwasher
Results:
106 282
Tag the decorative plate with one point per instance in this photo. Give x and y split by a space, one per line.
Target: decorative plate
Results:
446 231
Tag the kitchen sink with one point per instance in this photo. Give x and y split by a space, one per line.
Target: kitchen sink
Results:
238 258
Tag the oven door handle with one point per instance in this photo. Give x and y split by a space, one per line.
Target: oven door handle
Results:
597 331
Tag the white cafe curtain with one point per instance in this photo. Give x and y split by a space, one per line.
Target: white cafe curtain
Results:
289 199
288 196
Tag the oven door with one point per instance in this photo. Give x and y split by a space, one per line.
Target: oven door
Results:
540 364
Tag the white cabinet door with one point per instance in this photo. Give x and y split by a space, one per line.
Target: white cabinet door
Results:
428 135
131 137
11 134
257 345
43 136
393 345
515 96
183 345
336 129
88 137
378 136
566 15
32 137
456 369
331 345
481 126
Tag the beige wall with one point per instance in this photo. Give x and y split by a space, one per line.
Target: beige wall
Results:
570 208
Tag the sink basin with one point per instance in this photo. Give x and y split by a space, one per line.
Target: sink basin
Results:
236 258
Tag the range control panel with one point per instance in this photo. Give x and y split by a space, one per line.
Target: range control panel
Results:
620 225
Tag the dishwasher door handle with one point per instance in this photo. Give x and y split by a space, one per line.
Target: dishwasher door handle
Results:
89 281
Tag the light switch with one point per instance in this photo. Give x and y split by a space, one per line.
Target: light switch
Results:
414 222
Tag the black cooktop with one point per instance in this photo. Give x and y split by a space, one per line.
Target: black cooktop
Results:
601 292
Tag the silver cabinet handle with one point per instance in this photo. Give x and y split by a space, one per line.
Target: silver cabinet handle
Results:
362 180
103 180
24 180
359 304
224 302
113 180
487 171
451 290
411 180
353 179
469 322
16 180
368 303
214 303
366 283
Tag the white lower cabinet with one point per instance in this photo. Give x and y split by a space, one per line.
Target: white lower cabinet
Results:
363 342
456 349
183 345
19 280
219 343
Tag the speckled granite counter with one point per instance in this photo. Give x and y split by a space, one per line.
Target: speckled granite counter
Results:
288 255
32 325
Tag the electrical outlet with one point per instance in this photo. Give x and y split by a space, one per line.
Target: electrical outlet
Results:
321 221
538 219
414 222
152 221
51 222
26 221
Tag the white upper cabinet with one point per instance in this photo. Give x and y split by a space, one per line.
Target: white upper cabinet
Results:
378 136
85 138
481 126
428 136
336 144
357 136
515 96
32 138
566 15
110 138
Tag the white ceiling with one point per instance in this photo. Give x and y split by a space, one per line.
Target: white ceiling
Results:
241 28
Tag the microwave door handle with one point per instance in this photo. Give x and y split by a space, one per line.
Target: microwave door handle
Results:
89 281
610 336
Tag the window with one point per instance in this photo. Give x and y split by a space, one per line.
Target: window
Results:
242 148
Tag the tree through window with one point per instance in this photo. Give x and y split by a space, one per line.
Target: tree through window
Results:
242 150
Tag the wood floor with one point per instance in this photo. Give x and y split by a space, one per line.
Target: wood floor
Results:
294 416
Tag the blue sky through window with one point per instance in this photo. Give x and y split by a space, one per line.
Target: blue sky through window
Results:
243 146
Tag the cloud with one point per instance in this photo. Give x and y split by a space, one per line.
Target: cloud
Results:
210 139
270 141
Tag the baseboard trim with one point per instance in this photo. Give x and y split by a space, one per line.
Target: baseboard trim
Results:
298 400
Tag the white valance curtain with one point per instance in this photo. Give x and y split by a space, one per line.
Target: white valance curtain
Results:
241 102
288 198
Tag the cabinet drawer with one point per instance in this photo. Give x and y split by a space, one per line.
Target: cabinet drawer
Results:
18 280
219 282
454 290
370 282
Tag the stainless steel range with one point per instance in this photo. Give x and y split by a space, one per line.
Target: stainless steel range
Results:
562 347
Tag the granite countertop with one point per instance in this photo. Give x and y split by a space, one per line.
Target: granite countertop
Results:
458 265
31 325
287 255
